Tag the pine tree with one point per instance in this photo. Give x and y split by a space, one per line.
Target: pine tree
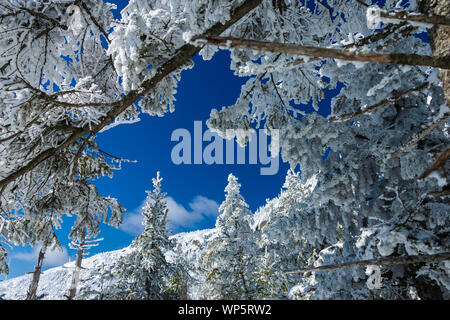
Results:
228 261
59 87
382 190
144 272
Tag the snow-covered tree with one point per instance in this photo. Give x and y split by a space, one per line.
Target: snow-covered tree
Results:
49 54
80 199
144 272
228 261
284 223
65 78
91 210
270 279
287 233
388 129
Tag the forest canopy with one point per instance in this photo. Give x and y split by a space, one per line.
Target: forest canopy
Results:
70 71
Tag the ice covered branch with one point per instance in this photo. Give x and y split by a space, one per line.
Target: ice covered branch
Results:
442 62
386 261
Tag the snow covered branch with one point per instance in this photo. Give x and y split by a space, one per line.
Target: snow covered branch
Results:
379 105
181 57
386 261
414 17
419 136
442 62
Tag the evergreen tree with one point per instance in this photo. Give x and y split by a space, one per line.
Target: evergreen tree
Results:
80 199
382 190
270 279
228 262
144 272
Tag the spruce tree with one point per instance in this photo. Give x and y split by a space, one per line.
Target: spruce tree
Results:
144 272
228 263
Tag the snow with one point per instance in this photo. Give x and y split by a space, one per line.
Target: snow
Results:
441 181
373 17
54 283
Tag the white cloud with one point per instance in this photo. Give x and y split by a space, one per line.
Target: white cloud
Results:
132 222
207 206
201 213
53 258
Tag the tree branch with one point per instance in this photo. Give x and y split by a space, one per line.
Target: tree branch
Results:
379 104
439 162
386 261
419 137
183 54
442 62
407 16
395 30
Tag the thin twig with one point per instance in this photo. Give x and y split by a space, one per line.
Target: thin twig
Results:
407 16
183 55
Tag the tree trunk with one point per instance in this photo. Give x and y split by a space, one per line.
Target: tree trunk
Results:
31 294
77 270
244 284
439 37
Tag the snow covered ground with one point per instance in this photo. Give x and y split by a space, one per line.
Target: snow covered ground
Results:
54 282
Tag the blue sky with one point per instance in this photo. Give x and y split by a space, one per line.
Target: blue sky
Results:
194 191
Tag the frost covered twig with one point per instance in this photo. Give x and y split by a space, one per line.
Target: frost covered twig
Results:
385 261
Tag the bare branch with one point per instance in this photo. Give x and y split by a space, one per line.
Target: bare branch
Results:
443 193
404 15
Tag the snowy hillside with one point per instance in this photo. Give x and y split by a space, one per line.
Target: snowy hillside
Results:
54 282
